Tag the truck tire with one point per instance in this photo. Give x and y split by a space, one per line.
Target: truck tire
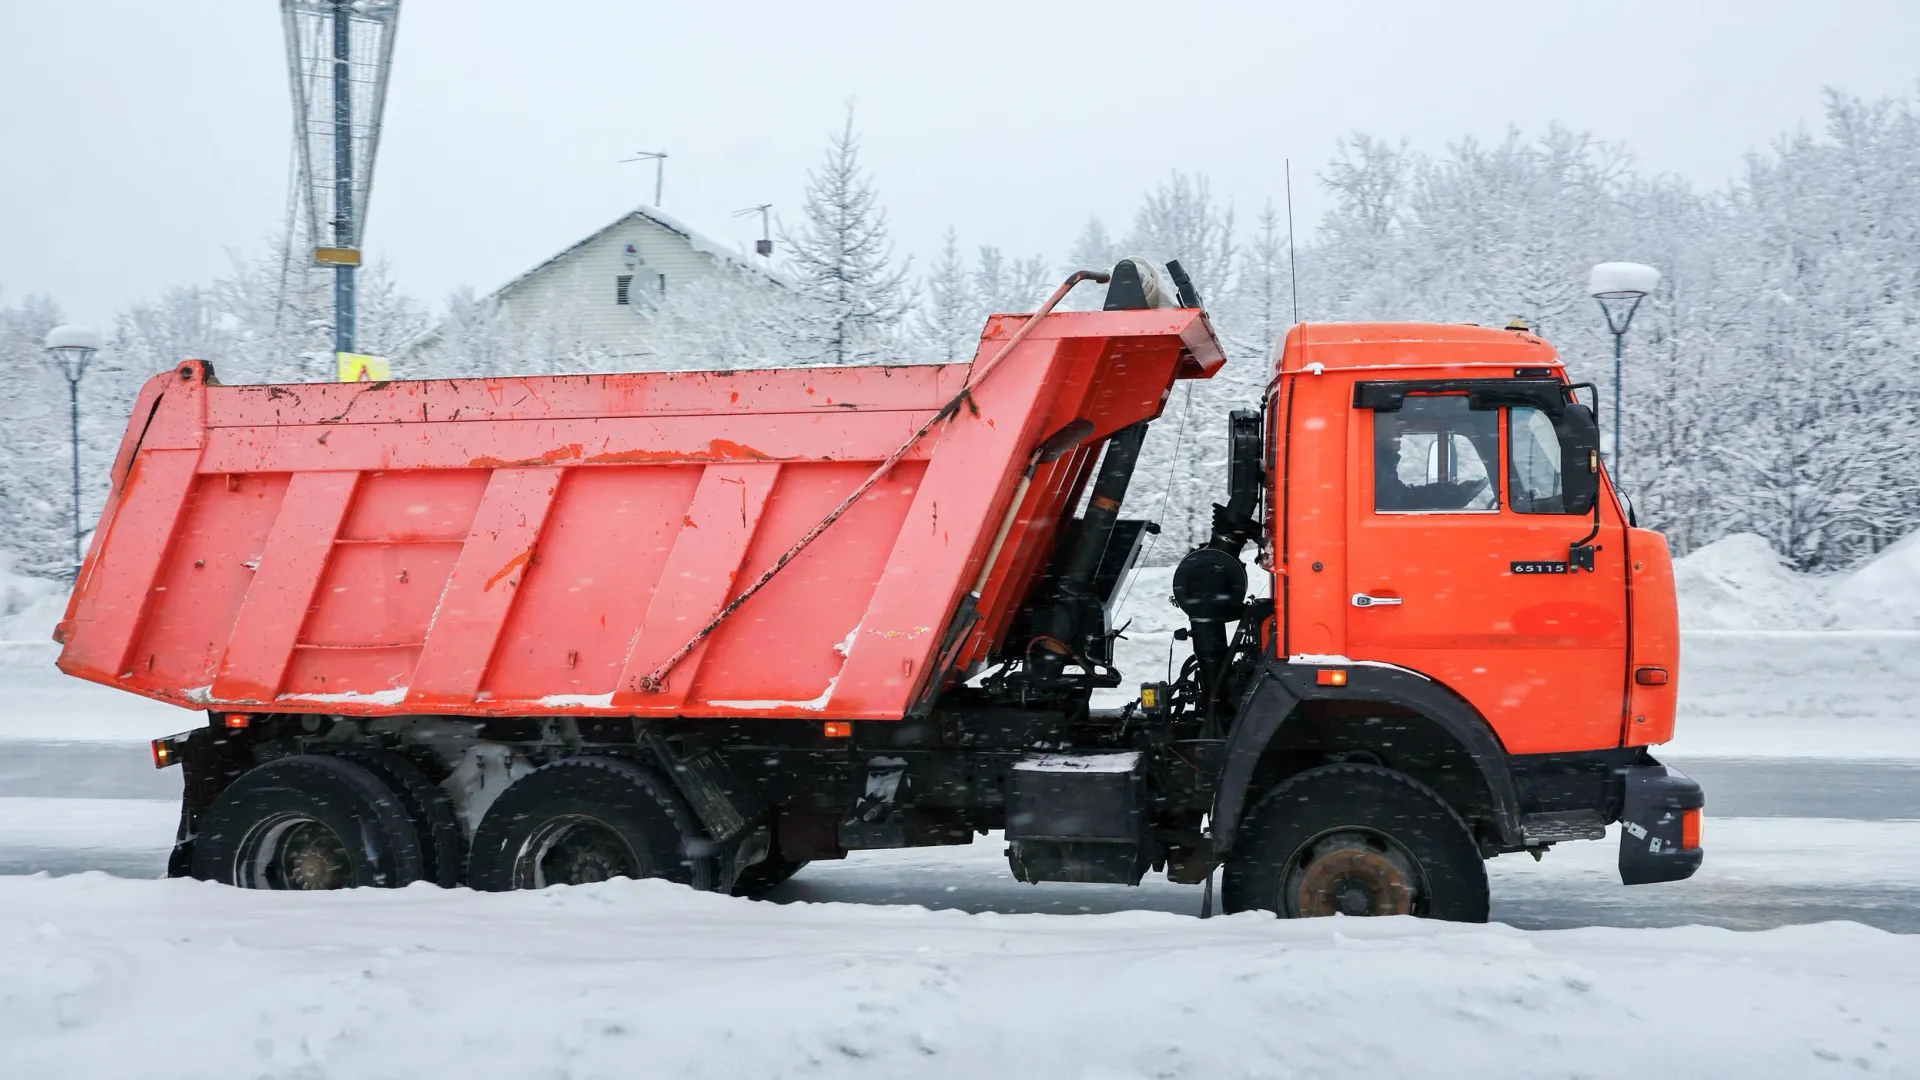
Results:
762 877
586 819
1356 840
443 844
310 821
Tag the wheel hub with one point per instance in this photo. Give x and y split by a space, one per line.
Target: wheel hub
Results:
577 851
1352 873
294 853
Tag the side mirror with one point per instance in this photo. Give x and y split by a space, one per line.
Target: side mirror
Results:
1579 458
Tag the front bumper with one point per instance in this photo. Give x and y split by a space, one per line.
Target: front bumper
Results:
1660 817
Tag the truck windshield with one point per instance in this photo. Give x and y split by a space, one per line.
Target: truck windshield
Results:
1435 455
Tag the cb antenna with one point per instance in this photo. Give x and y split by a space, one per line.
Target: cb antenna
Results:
1293 267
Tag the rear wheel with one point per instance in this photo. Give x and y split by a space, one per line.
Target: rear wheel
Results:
587 819
1356 840
308 822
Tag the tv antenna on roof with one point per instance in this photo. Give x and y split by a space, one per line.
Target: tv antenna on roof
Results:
659 159
764 245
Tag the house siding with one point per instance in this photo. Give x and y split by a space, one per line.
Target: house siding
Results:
578 289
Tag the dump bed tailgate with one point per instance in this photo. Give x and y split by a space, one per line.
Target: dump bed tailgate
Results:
538 545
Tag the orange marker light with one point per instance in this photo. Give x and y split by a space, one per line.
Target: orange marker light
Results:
162 754
1330 677
238 719
838 729
1651 676
1690 822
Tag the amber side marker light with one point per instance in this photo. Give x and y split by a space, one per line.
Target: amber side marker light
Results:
838 729
1690 822
162 754
1330 677
1651 676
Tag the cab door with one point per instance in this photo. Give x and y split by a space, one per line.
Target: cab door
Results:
1457 561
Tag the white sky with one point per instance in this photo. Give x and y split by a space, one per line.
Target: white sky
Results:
140 139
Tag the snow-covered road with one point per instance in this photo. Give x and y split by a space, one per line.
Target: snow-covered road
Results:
102 976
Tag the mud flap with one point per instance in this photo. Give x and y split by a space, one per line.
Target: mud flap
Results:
729 810
1657 798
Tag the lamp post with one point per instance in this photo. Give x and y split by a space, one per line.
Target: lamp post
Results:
1619 287
71 348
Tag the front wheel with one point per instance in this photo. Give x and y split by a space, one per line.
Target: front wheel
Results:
1356 840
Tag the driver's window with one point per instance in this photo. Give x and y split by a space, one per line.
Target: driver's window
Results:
1435 455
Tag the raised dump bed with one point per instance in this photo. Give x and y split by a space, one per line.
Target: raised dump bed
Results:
549 545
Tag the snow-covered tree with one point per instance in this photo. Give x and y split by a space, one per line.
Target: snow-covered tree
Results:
1005 285
1181 469
853 299
1264 302
730 319
944 327
35 509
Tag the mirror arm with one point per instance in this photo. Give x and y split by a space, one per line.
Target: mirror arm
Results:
1579 555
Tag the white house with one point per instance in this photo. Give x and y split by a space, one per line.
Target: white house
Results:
600 285
595 292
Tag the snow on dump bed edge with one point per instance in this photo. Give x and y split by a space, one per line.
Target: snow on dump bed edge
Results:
106 977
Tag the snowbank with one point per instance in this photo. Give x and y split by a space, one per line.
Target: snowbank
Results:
1740 583
1884 592
108 977
29 606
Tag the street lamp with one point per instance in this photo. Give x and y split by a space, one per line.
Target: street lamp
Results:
1619 287
71 349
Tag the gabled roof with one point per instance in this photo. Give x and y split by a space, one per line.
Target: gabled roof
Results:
699 242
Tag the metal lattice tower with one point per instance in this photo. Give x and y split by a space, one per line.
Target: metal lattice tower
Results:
339 53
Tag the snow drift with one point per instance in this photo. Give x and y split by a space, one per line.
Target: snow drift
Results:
1740 583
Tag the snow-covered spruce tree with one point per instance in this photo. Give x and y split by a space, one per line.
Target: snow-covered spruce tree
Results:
1264 304
1009 286
944 328
852 298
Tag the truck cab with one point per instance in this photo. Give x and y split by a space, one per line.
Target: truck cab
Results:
1458 596
1430 517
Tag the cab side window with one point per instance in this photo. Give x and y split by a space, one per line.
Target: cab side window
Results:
1435 455
1533 467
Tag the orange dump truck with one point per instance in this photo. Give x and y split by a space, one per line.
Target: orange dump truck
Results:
711 626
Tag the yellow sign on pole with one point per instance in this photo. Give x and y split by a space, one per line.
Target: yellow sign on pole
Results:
353 367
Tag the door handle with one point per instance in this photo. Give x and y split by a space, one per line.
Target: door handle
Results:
1361 599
